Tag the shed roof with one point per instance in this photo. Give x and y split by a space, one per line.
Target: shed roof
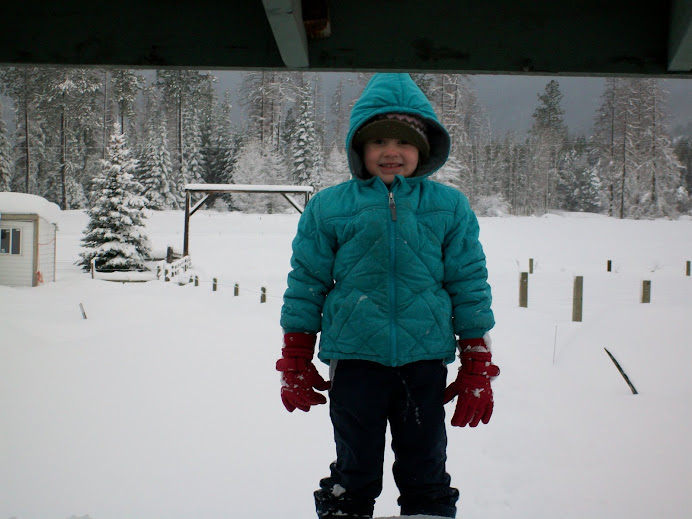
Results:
28 204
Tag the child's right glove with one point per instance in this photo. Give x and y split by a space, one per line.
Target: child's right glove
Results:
472 385
299 376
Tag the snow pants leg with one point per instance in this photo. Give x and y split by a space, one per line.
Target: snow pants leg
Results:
364 397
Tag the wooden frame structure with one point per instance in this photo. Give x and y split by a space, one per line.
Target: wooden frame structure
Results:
206 189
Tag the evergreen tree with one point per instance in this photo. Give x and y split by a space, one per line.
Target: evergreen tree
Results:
339 115
183 93
336 167
304 146
115 236
258 165
547 140
5 155
70 102
127 84
194 165
657 175
156 171
23 86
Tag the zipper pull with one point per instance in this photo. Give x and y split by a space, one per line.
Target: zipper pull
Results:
392 206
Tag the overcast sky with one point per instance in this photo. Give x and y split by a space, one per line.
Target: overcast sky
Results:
511 100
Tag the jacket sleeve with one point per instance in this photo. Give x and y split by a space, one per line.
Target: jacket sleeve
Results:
310 279
466 276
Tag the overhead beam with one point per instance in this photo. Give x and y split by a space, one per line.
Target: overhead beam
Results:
286 20
680 41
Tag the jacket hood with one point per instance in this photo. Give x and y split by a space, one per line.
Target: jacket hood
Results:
386 93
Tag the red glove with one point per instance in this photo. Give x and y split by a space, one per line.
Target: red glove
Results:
472 386
298 374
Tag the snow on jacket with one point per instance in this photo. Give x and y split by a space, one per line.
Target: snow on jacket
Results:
389 274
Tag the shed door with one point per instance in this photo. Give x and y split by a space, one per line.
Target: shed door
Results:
16 253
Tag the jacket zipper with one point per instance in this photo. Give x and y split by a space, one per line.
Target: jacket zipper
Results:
392 278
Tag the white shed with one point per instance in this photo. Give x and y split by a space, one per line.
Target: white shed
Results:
28 229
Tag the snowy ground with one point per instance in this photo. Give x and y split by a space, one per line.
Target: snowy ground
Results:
163 403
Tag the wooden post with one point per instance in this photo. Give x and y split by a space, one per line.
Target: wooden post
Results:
524 290
646 291
688 269
169 254
214 284
263 295
236 289
530 265
186 231
196 280
577 299
93 267
610 266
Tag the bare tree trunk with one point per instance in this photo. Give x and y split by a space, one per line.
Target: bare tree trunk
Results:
26 141
63 155
105 110
624 168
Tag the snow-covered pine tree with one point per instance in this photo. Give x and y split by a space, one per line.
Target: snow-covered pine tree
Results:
547 141
304 146
339 112
658 173
156 170
22 86
126 85
259 165
5 155
578 185
193 166
72 104
336 168
115 236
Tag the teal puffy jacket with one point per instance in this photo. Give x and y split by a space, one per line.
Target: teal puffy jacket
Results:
389 274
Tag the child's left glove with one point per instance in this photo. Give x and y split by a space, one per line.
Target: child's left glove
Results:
472 385
299 376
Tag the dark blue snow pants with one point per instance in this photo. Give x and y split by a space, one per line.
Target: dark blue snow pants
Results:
364 397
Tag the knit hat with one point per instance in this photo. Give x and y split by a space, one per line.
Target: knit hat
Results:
406 127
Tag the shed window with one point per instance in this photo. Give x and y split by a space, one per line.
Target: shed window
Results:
10 241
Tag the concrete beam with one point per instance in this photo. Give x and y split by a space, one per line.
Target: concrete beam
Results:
680 40
286 20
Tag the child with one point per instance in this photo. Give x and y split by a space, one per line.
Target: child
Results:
388 269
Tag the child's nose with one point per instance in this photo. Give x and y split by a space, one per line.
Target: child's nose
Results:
391 148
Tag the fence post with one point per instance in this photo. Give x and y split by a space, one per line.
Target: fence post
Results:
263 295
524 290
530 265
577 298
646 291
196 280
610 266
93 267
236 289
688 269
214 283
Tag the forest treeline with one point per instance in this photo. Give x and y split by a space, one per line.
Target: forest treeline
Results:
180 129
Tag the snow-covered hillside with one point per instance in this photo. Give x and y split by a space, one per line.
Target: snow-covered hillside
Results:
163 403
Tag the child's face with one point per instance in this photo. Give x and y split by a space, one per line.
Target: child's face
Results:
386 158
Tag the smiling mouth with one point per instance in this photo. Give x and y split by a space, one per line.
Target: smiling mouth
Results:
391 165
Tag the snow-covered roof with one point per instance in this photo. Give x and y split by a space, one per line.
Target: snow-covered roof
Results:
28 204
